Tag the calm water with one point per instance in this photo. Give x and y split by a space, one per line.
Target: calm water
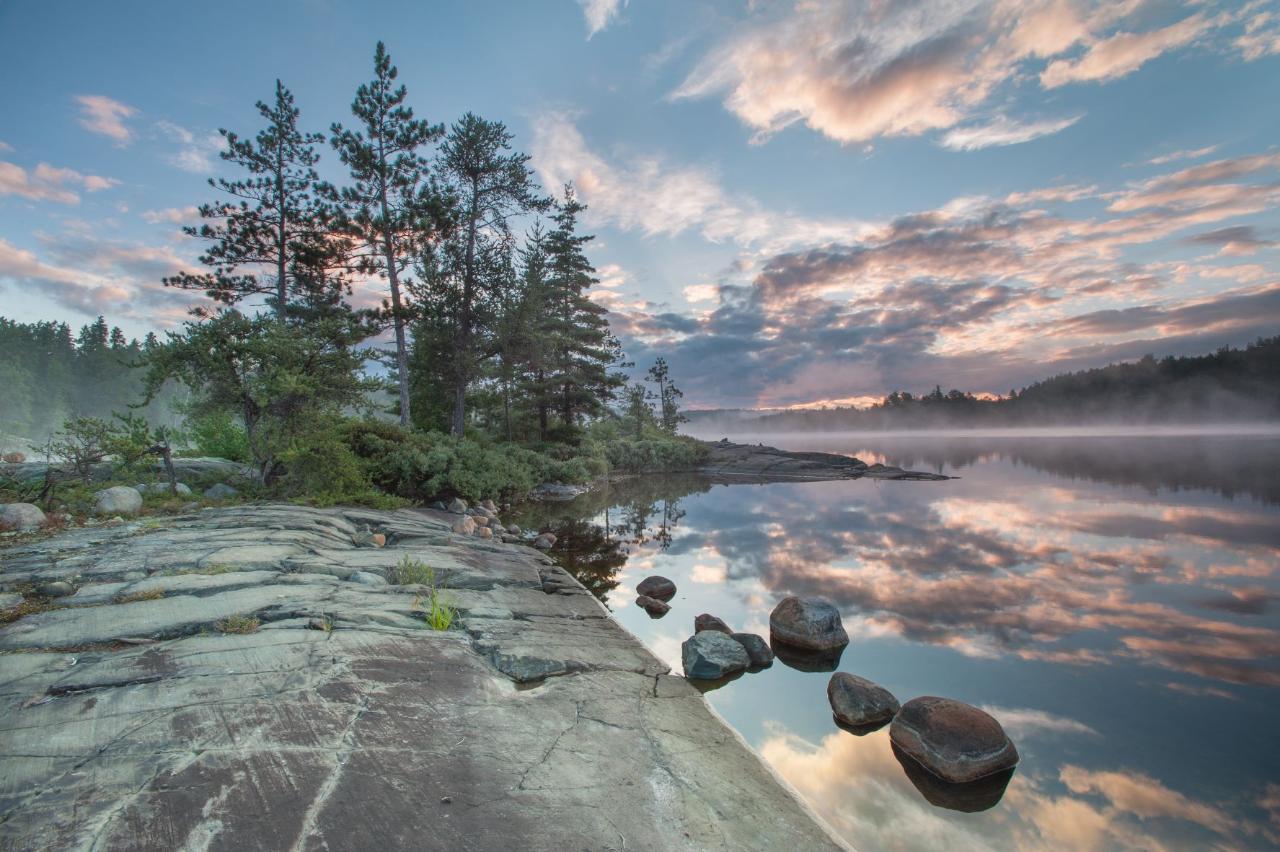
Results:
1115 603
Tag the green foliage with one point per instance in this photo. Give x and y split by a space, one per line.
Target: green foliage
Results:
321 469
238 624
81 443
666 454
217 434
409 572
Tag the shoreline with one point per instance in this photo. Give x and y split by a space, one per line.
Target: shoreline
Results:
339 719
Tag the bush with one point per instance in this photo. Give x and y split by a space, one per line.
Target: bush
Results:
220 436
322 470
655 455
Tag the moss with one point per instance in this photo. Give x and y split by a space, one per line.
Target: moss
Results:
30 605
134 597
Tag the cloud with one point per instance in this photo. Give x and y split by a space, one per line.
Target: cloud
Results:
1019 723
1174 156
1003 131
1261 36
600 13
196 152
49 183
104 116
1123 53
857 70
1236 240
173 215
1145 797
656 198
5 146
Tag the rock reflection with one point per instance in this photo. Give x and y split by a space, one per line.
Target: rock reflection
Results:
804 660
975 796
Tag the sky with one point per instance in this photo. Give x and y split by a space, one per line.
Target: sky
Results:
796 204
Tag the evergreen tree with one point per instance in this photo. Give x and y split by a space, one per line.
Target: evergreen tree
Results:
277 216
389 205
669 397
574 328
490 184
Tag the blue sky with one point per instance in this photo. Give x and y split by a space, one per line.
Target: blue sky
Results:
794 203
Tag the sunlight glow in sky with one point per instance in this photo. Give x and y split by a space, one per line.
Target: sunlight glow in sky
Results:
795 203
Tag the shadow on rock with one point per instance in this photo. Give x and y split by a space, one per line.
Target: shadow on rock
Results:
970 797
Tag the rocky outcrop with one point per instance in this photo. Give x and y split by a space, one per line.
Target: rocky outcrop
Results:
955 741
225 680
810 624
187 469
725 460
859 703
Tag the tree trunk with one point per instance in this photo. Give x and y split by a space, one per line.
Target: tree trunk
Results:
462 372
397 318
282 290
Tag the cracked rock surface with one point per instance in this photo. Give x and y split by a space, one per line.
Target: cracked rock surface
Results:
132 717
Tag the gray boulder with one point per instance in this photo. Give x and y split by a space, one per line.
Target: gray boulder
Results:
465 525
162 488
809 623
857 702
657 587
545 541
757 649
513 529
955 741
706 621
489 504
368 578
57 589
20 516
653 606
220 491
458 506
710 655
120 500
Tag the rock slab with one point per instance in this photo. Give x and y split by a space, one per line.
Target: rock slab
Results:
955 741
812 624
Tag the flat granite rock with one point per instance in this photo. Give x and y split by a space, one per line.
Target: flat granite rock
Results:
133 718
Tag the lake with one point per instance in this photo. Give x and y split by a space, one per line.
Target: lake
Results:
1113 601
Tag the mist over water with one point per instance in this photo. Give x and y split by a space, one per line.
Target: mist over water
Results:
1112 598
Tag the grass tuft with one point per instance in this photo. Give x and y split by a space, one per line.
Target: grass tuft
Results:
409 571
238 624
134 597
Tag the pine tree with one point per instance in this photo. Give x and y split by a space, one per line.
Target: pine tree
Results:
278 214
389 205
668 397
490 184
575 328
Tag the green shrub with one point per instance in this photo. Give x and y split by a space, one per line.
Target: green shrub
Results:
655 455
219 435
322 470
409 572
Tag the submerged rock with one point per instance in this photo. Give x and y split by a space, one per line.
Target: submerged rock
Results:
657 587
653 606
857 702
707 621
757 649
805 660
120 500
20 516
955 741
808 623
710 655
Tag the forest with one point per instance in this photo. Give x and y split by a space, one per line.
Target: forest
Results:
1227 386
503 372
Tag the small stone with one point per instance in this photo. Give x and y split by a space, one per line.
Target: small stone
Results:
220 491
458 506
20 516
481 520
57 589
706 621
810 623
444 800
955 741
653 606
378 540
858 702
368 578
657 587
484 513
489 504
120 500
513 529
319 624
757 649
710 655
545 541
484 532
464 526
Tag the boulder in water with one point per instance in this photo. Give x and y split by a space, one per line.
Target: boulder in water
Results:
707 621
809 623
653 606
757 649
955 741
857 702
710 655
659 588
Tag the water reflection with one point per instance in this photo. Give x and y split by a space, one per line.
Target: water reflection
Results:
1114 608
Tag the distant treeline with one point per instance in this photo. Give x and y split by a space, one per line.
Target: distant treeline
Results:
47 375
1230 385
